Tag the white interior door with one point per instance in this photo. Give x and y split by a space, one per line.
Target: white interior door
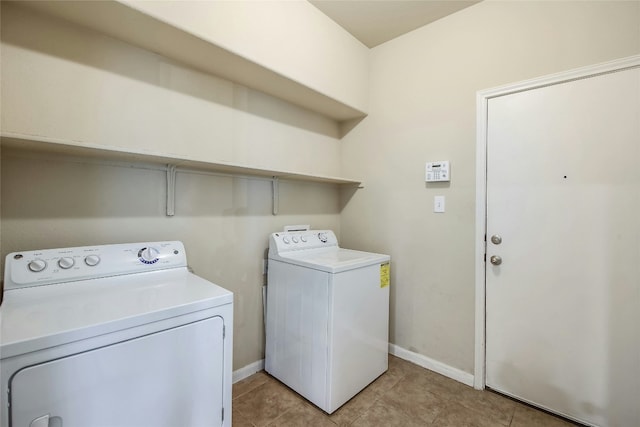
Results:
563 193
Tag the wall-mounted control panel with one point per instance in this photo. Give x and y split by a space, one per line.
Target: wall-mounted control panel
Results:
438 171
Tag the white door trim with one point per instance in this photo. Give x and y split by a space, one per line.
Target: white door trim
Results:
482 100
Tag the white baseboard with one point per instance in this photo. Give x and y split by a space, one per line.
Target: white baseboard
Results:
247 371
402 353
432 365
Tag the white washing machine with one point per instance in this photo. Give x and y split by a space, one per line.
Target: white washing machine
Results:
327 327
113 336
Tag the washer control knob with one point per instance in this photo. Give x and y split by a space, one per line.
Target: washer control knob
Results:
286 240
92 260
37 265
148 255
303 238
323 237
66 262
295 239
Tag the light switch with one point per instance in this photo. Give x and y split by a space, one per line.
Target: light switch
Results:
438 204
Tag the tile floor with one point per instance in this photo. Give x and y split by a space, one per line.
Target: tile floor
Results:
406 395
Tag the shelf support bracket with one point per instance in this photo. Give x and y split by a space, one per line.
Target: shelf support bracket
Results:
171 190
275 194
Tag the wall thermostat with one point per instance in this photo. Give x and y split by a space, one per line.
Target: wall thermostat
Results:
438 171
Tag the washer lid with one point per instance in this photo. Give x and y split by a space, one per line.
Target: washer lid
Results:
332 260
35 318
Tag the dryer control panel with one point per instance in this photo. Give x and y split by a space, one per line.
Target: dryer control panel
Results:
287 241
48 266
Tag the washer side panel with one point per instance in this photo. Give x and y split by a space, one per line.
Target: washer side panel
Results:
360 332
297 329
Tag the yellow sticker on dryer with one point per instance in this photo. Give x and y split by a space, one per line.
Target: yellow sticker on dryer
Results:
385 278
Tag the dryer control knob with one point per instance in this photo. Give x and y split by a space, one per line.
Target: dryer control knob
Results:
66 263
92 260
148 255
323 237
286 240
37 265
295 239
303 238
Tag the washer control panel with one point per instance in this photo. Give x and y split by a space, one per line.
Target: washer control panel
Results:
48 266
287 241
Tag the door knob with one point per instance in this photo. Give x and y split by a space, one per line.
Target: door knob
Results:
496 239
42 421
495 260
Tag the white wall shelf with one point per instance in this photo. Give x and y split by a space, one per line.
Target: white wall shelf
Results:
170 163
73 148
127 24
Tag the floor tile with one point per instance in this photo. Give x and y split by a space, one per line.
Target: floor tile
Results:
456 415
525 416
438 385
495 406
406 395
303 414
384 414
239 420
384 383
413 400
266 402
355 407
401 366
250 383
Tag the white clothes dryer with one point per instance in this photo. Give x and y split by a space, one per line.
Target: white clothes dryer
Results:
113 335
327 327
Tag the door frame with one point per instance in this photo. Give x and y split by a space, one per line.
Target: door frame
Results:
482 104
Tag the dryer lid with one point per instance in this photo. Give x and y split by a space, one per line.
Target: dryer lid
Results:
35 318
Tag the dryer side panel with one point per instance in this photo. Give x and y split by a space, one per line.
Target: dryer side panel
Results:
165 379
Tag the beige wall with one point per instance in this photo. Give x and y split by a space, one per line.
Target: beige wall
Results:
292 38
422 108
223 222
61 81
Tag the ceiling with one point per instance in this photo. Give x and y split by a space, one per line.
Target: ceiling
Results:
376 21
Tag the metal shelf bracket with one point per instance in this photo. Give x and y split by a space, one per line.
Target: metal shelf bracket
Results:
275 194
171 190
